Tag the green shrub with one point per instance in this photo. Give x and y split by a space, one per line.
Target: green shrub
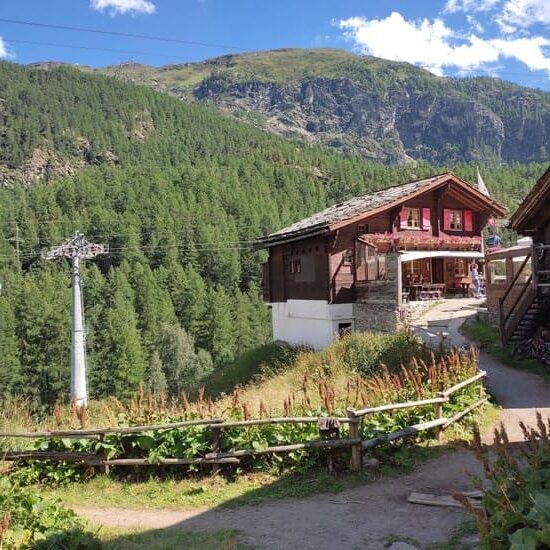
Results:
30 521
516 507
366 352
263 360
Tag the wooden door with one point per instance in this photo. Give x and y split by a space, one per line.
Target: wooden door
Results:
437 271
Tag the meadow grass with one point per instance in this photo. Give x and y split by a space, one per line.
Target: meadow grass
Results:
313 383
168 539
245 489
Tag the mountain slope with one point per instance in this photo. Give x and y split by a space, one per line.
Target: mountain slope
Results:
383 110
178 192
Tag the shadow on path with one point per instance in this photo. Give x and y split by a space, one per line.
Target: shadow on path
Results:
521 394
363 517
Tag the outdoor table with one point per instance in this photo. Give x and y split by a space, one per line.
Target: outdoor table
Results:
413 290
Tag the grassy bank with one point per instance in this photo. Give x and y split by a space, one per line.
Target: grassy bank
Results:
168 539
487 336
246 489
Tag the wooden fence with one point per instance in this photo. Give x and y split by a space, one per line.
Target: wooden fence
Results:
217 425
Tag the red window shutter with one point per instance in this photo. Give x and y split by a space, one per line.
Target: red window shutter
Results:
468 223
446 219
426 218
403 218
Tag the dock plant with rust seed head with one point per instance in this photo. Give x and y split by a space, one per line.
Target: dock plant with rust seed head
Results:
150 405
184 402
57 414
139 398
4 526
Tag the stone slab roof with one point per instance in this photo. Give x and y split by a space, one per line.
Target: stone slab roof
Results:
349 209
324 220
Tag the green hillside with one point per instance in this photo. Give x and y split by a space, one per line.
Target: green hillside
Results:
178 191
379 109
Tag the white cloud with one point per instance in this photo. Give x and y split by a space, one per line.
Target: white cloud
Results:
424 43
434 46
3 49
116 7
523 13
475 24
470 5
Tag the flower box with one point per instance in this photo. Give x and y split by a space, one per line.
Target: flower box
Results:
386 242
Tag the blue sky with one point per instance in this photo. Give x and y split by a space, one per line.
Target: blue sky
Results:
505 38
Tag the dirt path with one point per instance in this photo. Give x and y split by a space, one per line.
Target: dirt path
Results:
364 517
521 394
357 518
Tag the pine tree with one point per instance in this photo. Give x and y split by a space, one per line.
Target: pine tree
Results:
123 366
10 367
219 331
43 329
156 379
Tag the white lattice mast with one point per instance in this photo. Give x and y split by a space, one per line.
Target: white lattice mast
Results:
75 249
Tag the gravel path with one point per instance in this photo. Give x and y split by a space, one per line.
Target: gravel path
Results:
521 394
364 517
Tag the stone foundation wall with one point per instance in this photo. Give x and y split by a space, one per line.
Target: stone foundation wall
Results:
378 310
381 316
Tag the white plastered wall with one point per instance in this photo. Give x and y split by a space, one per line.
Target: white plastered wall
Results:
311 322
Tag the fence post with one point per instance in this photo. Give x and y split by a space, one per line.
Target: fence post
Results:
481 387
215 443
356 449
438 415
105 467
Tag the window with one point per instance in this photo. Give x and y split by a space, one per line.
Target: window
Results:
517 262
296 266
413 267
362 228
497 272
381 267
455 220
458 220
413 217
347 257
344 329
461 267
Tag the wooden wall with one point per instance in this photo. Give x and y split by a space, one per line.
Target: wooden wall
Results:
329 276
311 283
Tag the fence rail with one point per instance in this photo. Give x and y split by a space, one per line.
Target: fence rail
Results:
353 419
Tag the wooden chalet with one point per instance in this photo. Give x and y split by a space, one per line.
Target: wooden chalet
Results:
356 265
518 286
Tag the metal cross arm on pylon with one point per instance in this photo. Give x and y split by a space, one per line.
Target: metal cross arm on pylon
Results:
76 248
77 245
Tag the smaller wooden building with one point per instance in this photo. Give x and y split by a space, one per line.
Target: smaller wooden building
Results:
518 284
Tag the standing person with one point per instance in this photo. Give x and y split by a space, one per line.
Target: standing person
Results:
476 282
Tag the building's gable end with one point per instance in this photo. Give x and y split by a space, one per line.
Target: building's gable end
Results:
534 212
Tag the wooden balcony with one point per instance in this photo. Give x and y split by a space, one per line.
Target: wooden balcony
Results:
386 242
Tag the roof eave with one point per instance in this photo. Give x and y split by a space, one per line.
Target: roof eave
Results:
495 206
530 203
269 242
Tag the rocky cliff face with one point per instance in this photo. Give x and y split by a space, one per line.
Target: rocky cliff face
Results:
403 123
383 110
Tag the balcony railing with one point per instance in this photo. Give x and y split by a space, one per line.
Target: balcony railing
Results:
393 242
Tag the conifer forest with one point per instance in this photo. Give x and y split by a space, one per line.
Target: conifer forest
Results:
179 192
